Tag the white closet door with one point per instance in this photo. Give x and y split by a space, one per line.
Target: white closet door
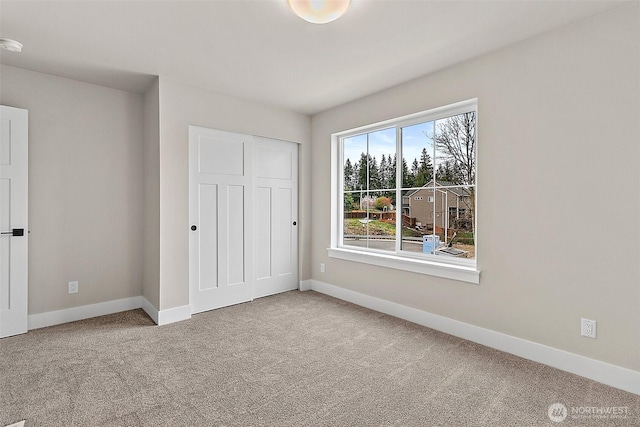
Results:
276 216
13 220
221 206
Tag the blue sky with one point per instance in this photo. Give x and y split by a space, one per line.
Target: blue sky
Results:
384 142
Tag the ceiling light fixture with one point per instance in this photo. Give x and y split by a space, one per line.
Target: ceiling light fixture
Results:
319 11
11 45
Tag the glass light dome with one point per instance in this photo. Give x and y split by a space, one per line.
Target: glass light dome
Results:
319 11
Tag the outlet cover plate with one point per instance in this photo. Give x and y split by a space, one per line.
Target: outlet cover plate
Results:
588 328
73 287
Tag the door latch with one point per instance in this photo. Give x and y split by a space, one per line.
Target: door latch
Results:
15 232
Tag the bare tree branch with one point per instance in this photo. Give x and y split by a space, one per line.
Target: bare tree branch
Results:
456 138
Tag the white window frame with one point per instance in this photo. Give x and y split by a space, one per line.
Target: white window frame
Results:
436 265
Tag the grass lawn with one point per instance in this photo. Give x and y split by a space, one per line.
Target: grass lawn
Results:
354 226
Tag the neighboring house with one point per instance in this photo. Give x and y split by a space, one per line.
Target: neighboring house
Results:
444 205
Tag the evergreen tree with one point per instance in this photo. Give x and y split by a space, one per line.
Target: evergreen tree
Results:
355 175
370 181
450 172
348 175
374 174
407 179
443 173
425 169
384 172
392 169
414 168
362 172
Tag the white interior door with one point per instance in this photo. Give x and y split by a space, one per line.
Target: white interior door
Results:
221 200
276 216
13 221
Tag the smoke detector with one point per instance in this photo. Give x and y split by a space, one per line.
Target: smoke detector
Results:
11 45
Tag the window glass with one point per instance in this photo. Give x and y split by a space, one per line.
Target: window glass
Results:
369 199
432 207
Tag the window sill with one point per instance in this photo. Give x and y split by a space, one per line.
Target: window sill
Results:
449 271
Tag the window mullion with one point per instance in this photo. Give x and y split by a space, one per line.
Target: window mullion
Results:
398 189
340 236
434 182
367 203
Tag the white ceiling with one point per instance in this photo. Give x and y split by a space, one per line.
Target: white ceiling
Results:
259 50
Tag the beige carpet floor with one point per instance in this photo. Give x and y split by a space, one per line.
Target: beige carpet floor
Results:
294 359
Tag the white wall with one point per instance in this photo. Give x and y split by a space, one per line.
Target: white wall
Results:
558 198
109 184
85 188
182 105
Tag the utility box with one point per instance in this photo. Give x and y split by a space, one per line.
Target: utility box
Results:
430 242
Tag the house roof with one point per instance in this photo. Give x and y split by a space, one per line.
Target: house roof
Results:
453 188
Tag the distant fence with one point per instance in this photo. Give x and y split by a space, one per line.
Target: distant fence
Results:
381 237
406 221
384 216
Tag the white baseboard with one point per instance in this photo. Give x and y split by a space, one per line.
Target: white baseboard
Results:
615 376
305 285
162 317
173 315
42 320
150 309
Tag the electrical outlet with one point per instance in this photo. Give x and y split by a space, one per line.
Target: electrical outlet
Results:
73 287
588 328
322 267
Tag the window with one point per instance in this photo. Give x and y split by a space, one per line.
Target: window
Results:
405 193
